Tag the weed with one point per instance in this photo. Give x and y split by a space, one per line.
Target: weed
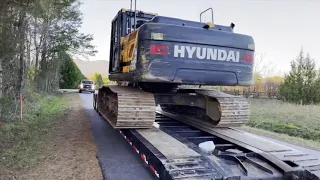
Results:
280 117
21 139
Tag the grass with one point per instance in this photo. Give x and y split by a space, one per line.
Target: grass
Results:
311 144
290 119
20 144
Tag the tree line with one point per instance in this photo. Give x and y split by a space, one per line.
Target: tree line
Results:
301 85
38 39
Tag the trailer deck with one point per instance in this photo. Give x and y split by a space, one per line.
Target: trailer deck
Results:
171 151
288 159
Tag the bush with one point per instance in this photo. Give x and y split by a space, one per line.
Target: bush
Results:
287 128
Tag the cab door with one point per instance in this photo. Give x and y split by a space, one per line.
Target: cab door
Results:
115 49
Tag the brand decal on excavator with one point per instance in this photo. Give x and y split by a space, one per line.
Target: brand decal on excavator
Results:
206 53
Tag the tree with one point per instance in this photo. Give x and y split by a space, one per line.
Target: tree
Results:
60 34
261 67
299 85
316 86
107 81
70 73
97 78
34 35
271 85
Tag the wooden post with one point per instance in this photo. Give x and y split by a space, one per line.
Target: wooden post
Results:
1 86
21 106
0 78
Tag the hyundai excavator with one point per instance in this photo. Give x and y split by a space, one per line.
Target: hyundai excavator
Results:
154 60
151 56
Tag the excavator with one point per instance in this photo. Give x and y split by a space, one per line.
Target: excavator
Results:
161 62
152 57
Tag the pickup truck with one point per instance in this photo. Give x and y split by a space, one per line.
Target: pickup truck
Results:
87 85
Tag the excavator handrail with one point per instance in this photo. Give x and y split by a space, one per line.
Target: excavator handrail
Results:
206 11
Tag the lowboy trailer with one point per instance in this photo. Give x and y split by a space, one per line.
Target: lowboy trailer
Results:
171 150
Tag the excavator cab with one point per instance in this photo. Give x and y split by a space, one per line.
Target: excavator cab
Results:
124 23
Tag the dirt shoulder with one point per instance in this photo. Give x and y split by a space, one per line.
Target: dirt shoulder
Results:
69 152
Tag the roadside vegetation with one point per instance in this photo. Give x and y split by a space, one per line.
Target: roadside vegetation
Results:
100 81
297 111
19 139
38 40
286 118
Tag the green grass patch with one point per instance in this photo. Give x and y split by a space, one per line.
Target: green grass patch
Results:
21 140
311 144
280 117
290 129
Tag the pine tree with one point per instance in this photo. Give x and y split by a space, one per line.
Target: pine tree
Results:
70 73
299 84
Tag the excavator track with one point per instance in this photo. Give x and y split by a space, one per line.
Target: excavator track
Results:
217 109
234 109
126 107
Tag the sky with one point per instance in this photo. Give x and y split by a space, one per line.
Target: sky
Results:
280 28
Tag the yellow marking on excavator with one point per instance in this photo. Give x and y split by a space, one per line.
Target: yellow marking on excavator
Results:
125 69
129 46
122 39
208 25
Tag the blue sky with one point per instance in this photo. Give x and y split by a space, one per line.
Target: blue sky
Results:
279 28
